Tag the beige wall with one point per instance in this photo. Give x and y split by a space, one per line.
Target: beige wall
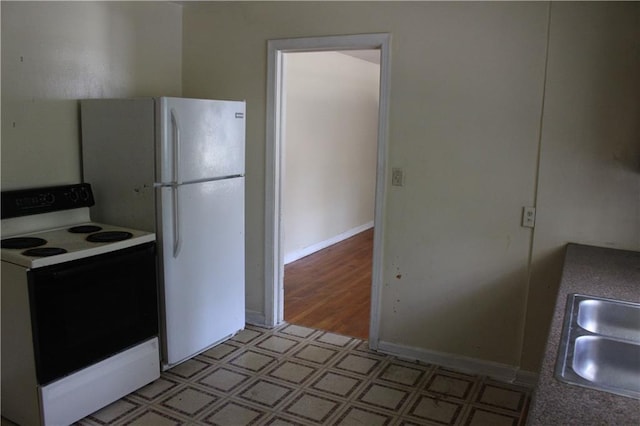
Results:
589 190
466 103
56 53
466 91
330 147
466 99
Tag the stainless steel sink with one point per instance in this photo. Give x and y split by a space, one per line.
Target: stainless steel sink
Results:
607 362
610 318
600 345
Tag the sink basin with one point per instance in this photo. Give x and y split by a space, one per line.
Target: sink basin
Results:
600 345
607 363
610 318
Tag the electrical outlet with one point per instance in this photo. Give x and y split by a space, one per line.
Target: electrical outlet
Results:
397 177
528 217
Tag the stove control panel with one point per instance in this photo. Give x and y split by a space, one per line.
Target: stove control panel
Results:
24 202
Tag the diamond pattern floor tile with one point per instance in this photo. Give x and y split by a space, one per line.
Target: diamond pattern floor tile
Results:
358 364
500 397
402 374
292 372
252 361
316 354
297 376
247 335
189 401
296 330
279 420
113 412
156 389
336 384
335 339
279 345
362 416
480 417
312 407
220 351
435 410
266 393
188 368
232 413
154 418
449 386
382 396
224 379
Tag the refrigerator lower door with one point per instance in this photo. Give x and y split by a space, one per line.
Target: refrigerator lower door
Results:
201 235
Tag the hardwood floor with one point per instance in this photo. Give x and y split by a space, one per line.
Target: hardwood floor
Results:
331 289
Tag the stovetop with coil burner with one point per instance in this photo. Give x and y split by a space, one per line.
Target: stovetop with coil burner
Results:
47 226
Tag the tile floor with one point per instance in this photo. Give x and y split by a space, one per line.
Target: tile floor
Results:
293 375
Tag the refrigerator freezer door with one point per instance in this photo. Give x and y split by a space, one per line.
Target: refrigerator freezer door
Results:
199 139
203 288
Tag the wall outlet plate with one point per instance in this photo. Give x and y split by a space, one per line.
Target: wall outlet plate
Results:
528 217
397 176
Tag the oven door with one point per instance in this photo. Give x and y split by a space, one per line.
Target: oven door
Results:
87 310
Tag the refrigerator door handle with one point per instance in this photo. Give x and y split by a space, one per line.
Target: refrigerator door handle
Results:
176 183
176 147
177 243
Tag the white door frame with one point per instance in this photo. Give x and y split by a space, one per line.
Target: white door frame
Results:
274 256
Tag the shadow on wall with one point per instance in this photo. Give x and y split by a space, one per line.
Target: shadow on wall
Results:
40 129
541 303
613 70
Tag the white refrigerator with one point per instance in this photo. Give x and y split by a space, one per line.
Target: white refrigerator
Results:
175 167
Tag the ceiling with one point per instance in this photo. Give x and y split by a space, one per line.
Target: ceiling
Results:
372 55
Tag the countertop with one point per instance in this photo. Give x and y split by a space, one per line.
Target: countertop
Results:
593 271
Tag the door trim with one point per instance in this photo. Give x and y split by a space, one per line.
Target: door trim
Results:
274 256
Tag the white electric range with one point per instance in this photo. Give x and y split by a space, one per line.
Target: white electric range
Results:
79 307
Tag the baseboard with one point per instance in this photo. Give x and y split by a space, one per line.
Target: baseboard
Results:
498 371
255 318
526 378
299 254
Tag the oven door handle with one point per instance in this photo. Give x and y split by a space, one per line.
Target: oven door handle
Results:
176 184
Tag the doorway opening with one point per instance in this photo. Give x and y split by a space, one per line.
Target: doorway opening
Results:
329 138
275 167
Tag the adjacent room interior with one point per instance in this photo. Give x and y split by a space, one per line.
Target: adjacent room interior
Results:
329 145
